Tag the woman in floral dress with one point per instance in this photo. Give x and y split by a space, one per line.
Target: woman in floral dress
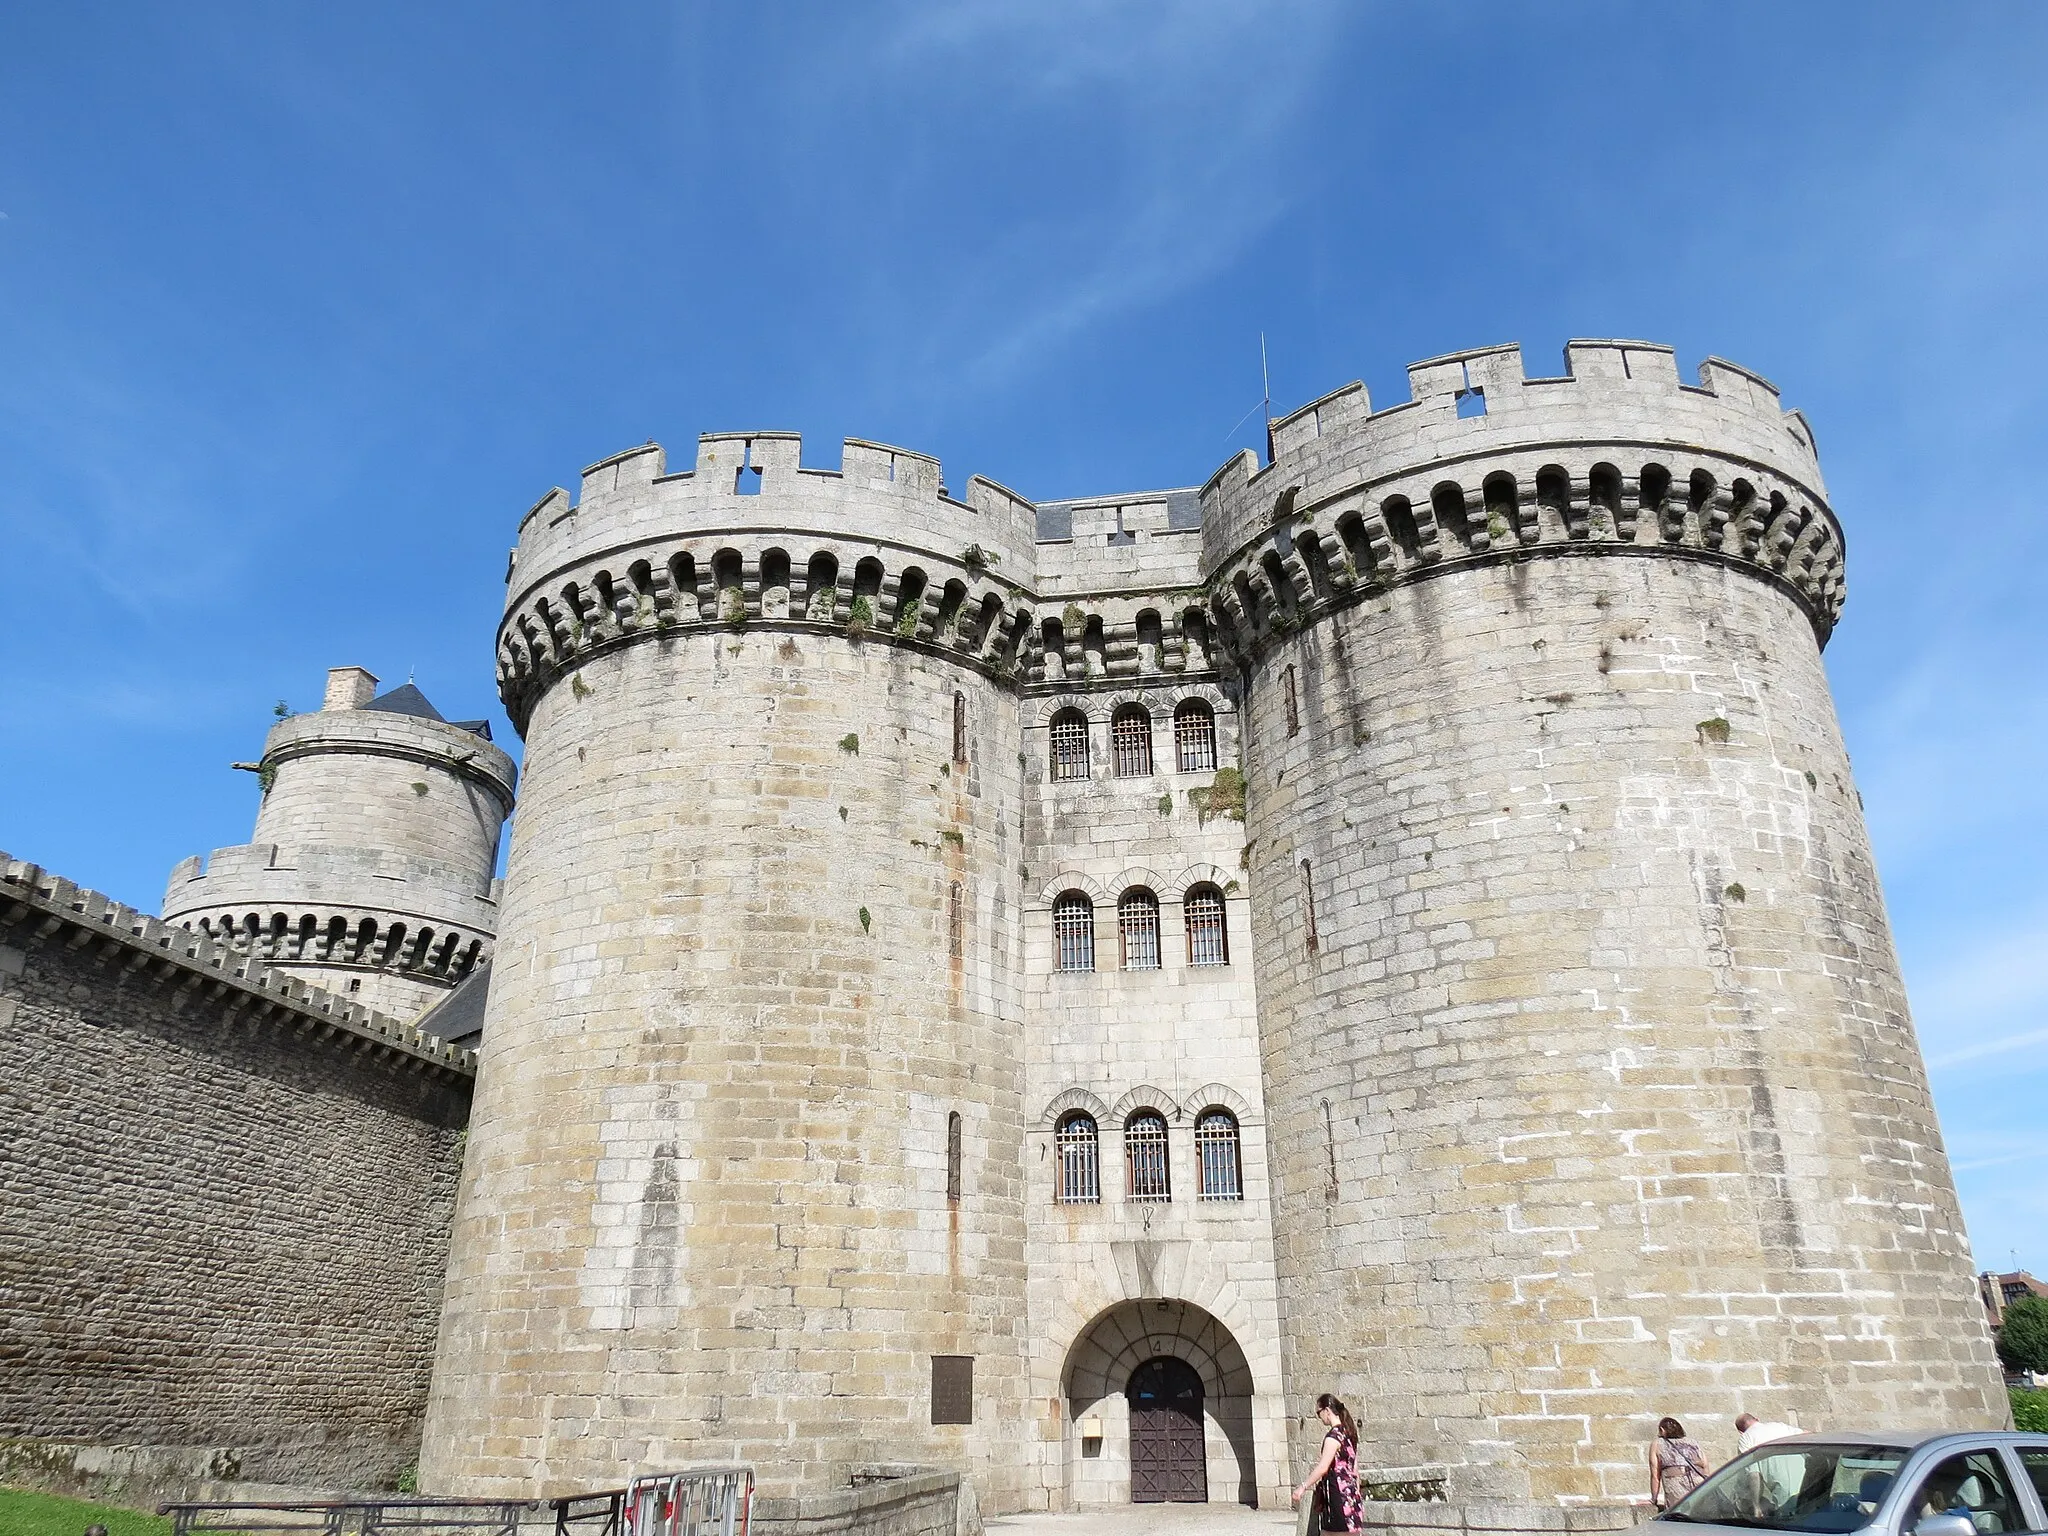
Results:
1677 1465
1335 1477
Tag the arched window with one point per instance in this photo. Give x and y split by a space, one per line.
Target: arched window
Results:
1130 742
1073 928
960 730
1080 1160
1208 937
1216 1146
1137 926
953 1159
1145 1167
1069 745
1194 737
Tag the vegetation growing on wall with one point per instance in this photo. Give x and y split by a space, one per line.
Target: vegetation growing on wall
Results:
1223 797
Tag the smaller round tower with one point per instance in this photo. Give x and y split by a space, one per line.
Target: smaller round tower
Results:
370 872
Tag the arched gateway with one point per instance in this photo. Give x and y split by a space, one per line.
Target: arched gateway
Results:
1160 1395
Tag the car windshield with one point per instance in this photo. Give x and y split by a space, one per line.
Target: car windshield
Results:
1801 1487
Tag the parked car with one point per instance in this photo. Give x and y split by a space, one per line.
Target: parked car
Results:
1982 1484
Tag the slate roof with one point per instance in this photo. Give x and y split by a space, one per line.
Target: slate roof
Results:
408 700
458 1018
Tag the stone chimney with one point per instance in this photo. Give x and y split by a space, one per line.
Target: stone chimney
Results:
349 688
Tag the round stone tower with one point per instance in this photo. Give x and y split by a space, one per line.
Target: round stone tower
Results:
744 1177
1593 1094
370 871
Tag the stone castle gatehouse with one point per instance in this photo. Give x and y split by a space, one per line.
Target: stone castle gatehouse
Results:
1046 989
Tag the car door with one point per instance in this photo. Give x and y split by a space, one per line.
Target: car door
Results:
2032 1457
1974 1484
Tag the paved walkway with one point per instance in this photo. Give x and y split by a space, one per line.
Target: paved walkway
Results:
1152 1520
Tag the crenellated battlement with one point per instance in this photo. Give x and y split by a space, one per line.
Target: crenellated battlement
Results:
756 481
193 963
1616 456
878 549
1482 463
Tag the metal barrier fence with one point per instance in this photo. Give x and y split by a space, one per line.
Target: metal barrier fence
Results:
705 1501
351 1517
709 1501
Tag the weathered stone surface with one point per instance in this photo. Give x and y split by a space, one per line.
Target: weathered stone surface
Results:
223 1209
371 869
1570 1071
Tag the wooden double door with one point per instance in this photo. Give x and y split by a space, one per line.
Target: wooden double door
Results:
1169 1461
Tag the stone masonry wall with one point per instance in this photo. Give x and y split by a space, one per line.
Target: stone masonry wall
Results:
706 1211
1596 1097
370 870
212 1234
1117 1282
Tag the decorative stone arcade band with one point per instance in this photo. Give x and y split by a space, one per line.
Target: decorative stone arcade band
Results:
307 938
1374 535
965 613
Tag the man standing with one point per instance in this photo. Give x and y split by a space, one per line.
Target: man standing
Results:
1751 1432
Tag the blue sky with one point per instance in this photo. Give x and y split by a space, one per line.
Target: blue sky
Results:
301 307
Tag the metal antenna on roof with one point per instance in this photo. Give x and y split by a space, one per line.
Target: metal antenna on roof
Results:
1265 403
1266 379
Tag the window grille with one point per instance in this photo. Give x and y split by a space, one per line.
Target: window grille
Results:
1308 906
1293 704
1137 923
1069 745
1073 926
1130 741
1194 738
1145 1158
956 922
953 1156
1216 1146
1208 937
1080 1160
960 730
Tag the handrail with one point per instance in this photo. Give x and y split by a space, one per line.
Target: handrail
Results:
350 1517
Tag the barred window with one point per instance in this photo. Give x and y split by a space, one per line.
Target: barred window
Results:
960 729
1069 745
1216 1146
1194 737
1073 927
956 922
1208 937
1293 704
1137 926
1080 1160
1145 1158
1130 741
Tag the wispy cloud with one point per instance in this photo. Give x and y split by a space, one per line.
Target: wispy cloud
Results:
1992 1048
1188 108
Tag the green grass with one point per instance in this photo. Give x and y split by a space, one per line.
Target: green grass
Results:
44 1514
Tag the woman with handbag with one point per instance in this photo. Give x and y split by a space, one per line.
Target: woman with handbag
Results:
1677 1465
1335 1478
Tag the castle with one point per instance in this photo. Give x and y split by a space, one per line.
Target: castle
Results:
1046 989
